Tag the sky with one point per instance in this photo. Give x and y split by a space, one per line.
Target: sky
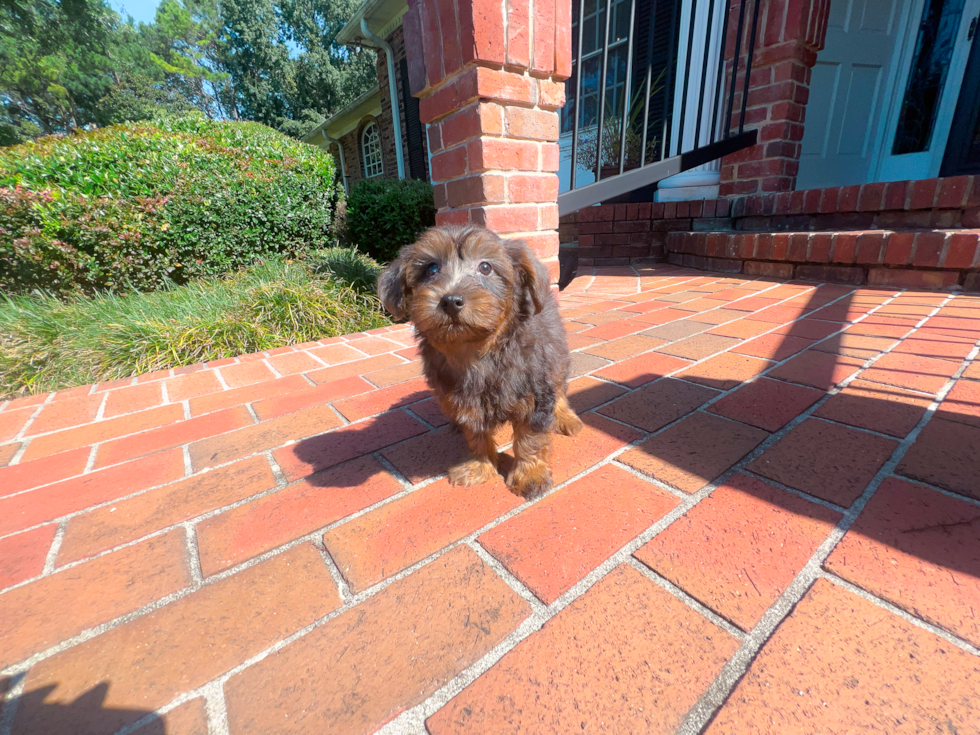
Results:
141 10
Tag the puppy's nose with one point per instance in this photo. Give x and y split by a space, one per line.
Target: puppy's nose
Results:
451 304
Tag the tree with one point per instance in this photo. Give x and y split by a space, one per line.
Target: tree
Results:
67 64
328 75
189 51
288 69
257 58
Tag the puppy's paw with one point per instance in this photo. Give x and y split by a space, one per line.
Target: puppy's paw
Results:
472 472
567 423
530 479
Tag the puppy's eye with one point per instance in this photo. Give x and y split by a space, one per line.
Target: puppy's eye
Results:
485 268
432 269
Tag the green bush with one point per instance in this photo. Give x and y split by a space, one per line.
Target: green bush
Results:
348 266
49 343
384 214
141 206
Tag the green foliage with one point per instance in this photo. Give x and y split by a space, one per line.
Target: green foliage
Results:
188 48
52 343
139 206
58 58
347 265
70 64
384 214
137 97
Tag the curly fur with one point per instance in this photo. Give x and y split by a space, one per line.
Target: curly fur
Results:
502 358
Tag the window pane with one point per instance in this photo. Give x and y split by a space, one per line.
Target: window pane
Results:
927 77
371 151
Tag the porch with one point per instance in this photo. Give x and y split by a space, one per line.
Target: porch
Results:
769 519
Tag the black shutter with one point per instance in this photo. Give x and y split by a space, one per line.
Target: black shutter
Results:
413 126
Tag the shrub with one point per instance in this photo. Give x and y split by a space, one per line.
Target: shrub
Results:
146 205
348 266
50 343
384 214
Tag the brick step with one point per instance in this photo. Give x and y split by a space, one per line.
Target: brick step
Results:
908 258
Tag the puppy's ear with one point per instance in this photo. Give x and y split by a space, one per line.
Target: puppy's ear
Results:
532 277
391 288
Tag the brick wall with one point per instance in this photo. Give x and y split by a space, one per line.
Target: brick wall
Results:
789 35
620 234
490 89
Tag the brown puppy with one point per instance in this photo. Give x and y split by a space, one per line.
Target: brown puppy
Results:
493 346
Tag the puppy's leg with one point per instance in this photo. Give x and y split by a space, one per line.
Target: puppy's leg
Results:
482 467
531 475
566 422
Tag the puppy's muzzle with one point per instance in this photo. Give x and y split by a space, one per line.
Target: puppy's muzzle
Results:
452 304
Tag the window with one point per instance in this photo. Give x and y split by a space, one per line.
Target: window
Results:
371 150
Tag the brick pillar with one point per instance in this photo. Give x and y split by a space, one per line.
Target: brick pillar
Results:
489 89
790 34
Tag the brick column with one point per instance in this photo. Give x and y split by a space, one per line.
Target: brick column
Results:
790 34
490 88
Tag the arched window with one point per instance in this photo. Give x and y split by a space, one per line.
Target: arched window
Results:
371 151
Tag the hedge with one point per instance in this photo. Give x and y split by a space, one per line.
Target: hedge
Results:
142 206
384 214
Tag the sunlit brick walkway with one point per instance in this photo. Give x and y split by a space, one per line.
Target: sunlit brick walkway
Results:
770 524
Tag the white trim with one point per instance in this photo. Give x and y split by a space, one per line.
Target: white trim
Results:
382 17
705 178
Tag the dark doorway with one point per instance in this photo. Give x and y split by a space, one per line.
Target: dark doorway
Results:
963 149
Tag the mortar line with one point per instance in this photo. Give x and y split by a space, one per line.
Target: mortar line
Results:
900 612
193 554
692 602
11 702
52 555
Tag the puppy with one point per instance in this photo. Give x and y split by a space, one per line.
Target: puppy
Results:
493 346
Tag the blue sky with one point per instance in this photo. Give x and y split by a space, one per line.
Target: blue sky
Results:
141 10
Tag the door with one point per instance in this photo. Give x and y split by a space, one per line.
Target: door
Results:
848 87
920 120
963 149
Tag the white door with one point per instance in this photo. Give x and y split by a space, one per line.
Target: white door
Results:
935 52
848 87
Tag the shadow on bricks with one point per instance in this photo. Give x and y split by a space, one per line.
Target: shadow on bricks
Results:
86 715
831 455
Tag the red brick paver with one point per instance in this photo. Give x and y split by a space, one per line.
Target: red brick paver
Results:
279 528
826 460
384 655
842 664
738 550
920 549
624 657
553 544
151 659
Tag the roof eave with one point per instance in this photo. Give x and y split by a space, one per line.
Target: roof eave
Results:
347 119
382 16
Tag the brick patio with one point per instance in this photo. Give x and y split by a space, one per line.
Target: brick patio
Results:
770 524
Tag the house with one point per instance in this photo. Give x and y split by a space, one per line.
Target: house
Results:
822 139
362 137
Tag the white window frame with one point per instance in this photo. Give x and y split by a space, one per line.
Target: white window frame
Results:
371 151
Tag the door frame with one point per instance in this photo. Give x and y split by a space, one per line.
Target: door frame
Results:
926 164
